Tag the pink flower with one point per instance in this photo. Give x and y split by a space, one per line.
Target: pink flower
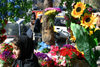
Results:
0 56
54 48
50 8
13 56
52 53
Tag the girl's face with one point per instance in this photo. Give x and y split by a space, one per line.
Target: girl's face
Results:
16 51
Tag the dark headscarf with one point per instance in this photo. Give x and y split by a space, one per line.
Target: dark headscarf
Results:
26 58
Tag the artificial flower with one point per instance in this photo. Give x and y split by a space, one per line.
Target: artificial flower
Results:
78 10
88 21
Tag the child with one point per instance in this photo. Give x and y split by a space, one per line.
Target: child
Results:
23 51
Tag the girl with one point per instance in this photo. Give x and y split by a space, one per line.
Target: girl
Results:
23 51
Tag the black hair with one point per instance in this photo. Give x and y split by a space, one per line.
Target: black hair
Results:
26 45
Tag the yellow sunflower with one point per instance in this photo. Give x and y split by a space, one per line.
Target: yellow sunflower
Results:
88 21
78 10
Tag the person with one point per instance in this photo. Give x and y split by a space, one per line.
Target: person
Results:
23 50
37 27
37 24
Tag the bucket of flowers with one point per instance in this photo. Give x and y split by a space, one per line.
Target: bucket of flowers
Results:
6 55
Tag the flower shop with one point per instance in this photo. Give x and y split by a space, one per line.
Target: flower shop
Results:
82 25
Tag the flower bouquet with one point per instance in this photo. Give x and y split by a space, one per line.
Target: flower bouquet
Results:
44 59
82 22
6 55
59 57
51 12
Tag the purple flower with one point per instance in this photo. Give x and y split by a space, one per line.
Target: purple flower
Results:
69 46
6 53
42 56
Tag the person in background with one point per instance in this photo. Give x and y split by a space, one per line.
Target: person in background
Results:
37 26
23 47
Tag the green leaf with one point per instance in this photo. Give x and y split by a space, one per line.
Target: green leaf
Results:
82 40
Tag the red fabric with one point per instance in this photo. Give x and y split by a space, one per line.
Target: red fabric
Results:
17 65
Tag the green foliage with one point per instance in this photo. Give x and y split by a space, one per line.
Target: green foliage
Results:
13 10
45 50
86 44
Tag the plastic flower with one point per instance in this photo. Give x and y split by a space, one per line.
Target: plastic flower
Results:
78 10
88 21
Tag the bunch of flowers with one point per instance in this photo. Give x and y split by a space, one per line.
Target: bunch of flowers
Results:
44 59
60 56
84 14
82 23
52 11
63 56
6 54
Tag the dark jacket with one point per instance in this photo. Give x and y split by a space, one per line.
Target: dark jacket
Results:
33 62
27 58
37 26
